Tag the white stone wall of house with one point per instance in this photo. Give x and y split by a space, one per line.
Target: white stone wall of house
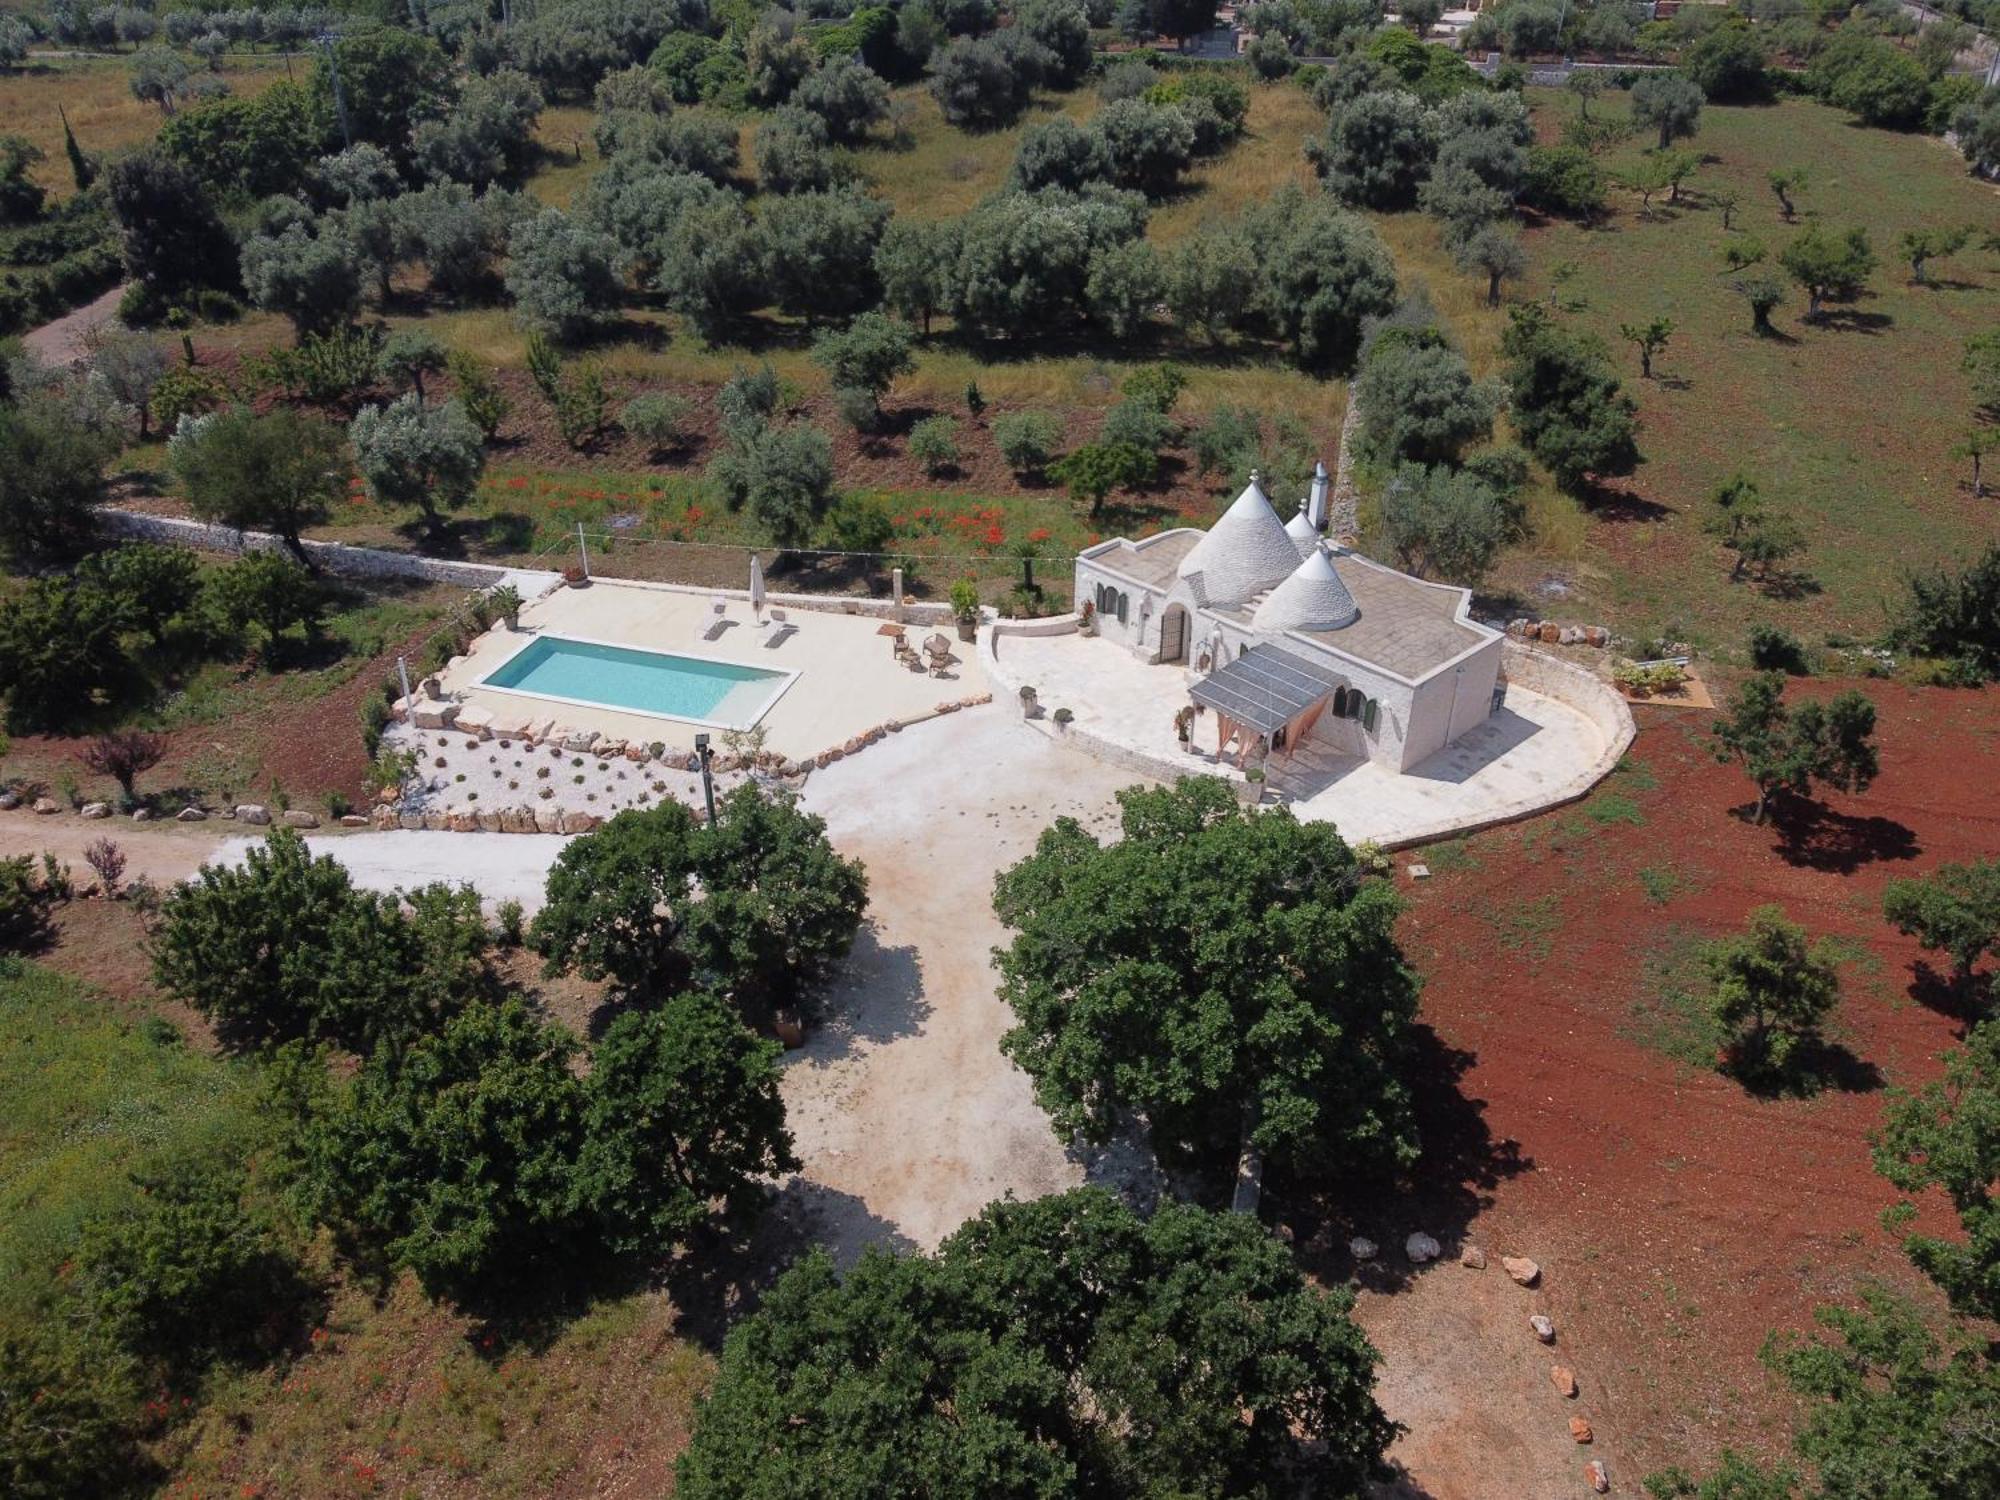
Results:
1450 703
1129 632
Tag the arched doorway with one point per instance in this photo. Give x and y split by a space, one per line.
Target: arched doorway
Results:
1174 633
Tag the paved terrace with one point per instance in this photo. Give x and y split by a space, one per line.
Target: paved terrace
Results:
849 682
1534 752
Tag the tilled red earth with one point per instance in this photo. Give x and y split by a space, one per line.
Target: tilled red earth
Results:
1678 1217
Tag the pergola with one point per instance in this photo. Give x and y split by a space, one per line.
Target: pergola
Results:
1263 691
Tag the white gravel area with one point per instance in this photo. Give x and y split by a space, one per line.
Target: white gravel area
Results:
500 866
457 773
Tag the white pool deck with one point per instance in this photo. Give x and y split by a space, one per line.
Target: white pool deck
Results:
1534 752
848 683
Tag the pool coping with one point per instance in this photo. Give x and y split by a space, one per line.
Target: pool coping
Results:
789 675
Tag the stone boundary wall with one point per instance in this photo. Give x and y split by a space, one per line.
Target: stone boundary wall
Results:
338 558
832 604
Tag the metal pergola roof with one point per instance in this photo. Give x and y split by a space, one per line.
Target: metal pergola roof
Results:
1266 688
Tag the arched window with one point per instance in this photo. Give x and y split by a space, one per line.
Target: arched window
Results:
1368 716
1124 601
1340 703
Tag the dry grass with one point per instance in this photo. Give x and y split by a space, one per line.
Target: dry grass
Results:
939 171
1270 153
1845 424
95 93
410 1398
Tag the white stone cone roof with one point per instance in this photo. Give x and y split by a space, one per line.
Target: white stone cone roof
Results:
1246 551
1313 598
1304 535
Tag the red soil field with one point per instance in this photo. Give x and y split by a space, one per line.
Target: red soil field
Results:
1678 1217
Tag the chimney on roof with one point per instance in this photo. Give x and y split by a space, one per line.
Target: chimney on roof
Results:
1316 497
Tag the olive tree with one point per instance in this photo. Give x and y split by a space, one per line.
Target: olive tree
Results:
1377 151
846 95
411 454
564 275
1418 400
308 271
281 471
1668 104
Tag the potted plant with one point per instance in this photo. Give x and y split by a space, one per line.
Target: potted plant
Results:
1062 716
1252 790
576 577
1029 707
1086 618
1184 726
505 602
965 606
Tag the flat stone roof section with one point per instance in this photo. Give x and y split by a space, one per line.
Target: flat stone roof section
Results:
1408 626
1152 563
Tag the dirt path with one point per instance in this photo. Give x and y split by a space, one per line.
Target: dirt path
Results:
162 852
907 1116
63 342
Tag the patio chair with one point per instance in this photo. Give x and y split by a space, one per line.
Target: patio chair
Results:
784 630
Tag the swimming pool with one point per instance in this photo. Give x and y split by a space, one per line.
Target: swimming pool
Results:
597 674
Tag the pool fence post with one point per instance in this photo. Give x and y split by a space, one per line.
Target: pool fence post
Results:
896 593
403 673
582 550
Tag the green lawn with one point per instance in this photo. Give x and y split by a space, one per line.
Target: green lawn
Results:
88 1094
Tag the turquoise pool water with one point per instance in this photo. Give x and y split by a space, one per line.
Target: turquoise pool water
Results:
647 682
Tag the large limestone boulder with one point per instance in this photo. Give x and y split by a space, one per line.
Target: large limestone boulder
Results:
97 809
430 714
473 720
298 817
253 813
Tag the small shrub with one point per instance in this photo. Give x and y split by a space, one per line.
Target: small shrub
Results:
934 442
510 918
658 419
107 860
24 905
1027 439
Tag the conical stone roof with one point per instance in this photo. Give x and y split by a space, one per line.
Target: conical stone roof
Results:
1312 598
1304 535
1246 551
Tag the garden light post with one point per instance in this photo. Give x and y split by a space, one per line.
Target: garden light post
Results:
403 672
707 781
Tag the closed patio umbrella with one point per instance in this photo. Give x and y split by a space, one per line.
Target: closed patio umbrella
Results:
757 587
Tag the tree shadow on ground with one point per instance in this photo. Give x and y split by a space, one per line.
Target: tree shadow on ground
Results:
1454 1181
1815 837
1967 1000
1603 503
877 997
1853 320
1405 1486
1816 1066
724 1278
1788 583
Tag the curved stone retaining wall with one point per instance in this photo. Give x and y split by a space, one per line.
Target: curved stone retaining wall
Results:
1574 687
